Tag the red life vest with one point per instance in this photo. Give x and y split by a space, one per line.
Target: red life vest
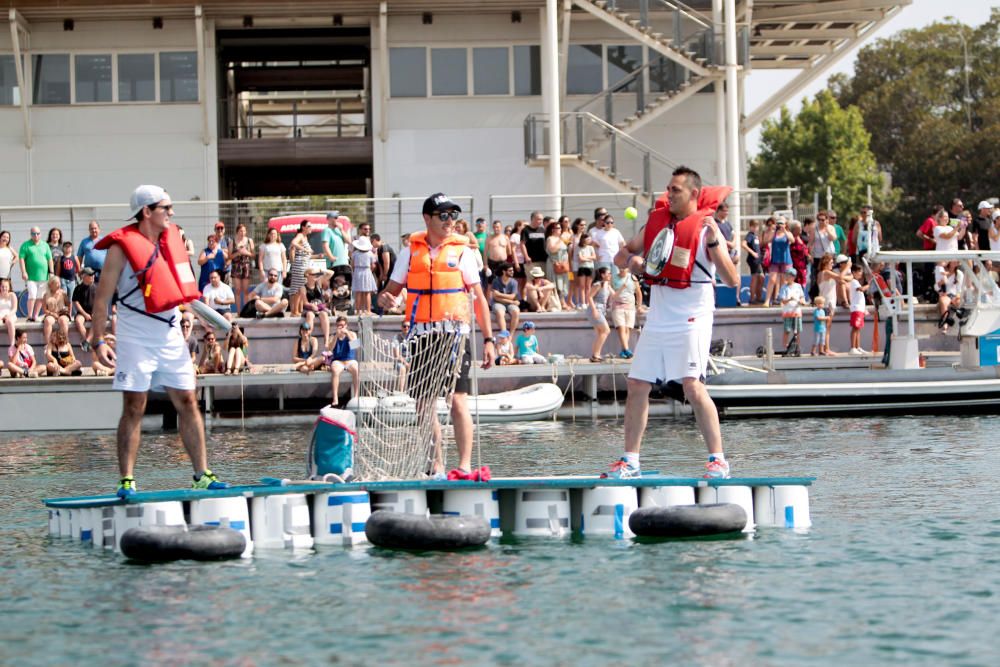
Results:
162 270
676 268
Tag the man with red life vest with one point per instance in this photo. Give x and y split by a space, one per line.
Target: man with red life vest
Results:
439 271
678 252
149 267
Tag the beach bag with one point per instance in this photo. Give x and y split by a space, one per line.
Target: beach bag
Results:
560 267
765 256
331 449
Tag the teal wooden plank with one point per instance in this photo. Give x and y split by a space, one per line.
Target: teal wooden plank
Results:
579 482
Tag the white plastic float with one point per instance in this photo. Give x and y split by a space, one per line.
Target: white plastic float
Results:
605 511
542 512
226 511
339 518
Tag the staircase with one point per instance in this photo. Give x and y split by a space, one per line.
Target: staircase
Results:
627 166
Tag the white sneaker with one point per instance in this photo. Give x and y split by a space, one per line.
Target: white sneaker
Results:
862 351
853 350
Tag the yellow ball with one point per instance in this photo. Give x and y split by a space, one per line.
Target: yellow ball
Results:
631 213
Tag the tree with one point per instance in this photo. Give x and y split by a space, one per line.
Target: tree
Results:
824 145
933 113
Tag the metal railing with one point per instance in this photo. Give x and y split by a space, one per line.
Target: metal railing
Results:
658 77
510 208
295 119
625 157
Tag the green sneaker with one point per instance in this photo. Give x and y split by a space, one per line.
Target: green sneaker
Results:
126 487
208 480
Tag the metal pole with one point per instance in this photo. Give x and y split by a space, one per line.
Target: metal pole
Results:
550 60
733 157
720 106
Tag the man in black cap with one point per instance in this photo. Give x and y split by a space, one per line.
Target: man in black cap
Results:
439 271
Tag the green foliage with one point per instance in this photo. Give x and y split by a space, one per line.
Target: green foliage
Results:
824 145
929 129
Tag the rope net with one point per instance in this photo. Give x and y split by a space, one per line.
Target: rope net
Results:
404 385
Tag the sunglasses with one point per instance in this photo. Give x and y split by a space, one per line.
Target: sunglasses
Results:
36 233
445 216
165 207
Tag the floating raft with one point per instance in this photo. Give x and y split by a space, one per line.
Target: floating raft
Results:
301 515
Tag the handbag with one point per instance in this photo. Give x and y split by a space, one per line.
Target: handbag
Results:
561 266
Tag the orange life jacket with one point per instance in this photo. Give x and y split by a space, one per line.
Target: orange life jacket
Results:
162 269
435 289
676 268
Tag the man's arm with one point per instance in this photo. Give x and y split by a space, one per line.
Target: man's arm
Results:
387 297
629 255
482 310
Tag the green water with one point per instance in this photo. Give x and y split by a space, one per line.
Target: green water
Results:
900 567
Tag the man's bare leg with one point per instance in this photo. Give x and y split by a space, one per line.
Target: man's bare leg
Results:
461 421
129 427
705 414
636 414
191 427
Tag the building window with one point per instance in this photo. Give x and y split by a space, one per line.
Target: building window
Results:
584 72
93 78
50 83
449 72
491 71
136 77
408 71
9 93
527 70
179 76
622 61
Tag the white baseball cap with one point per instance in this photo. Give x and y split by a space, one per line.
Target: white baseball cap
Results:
984 204
144 195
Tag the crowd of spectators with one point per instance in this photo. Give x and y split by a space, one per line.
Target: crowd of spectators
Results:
542 265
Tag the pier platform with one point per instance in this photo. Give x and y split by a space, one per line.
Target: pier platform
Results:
301 514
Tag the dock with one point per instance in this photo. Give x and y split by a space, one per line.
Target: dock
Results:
294 515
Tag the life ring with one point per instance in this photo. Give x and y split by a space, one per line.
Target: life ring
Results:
165 543
395 530
688 520
214 318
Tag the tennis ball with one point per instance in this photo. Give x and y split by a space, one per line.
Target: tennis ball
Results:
631 213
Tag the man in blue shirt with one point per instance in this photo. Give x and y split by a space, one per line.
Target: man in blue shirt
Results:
504 299
88 256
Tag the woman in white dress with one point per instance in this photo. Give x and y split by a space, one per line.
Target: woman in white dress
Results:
363 280
8 256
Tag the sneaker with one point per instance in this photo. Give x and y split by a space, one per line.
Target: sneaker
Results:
126 487
716 469
622 469
208 480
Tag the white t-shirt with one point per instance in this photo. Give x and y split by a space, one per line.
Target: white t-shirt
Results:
673 310
949 245
212 294
8 259
856 296
272 257
791 299
139 329
608 241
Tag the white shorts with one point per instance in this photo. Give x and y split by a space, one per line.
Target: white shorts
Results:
141 369
36 287
661 357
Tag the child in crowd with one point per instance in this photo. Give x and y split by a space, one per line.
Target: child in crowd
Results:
340 299
97 366
21 357
67 268
856 298
505 349
821 344
527 345
792 299
59 356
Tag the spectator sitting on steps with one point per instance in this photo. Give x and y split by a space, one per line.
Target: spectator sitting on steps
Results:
505 349
106 369
59 356
341 356
21 357
527 345
268 297
540 293
504 296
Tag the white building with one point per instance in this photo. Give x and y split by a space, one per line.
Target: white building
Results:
227 99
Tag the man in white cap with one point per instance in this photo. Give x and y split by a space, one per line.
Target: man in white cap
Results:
439 272
983 221
151 352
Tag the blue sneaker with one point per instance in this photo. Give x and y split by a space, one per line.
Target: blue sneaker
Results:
208 480
126 487
622 469
716 468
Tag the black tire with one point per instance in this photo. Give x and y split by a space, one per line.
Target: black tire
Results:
394 530
688 520
157 544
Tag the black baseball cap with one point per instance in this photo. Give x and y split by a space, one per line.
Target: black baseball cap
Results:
439 201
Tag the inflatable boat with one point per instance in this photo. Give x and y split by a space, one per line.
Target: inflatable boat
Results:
531 403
